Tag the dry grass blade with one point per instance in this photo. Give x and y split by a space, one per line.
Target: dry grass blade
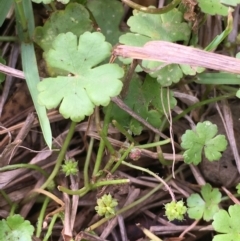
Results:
178 54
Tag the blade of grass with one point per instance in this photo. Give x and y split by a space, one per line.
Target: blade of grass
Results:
5 6
24 14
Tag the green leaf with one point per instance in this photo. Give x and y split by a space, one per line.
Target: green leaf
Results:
108 14
218 79
168 27
145 100
213 7
205 206
5 6
227 223
75 18
85 86
16 228
203 138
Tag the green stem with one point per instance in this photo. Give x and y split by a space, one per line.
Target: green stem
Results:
107 144
6 197
109 163
23 20
81 192
60 156
123 131
154 144
53 6
87 162
29 166
199 104
122 158
50 227
102 143
41 217
109 182
13 208
162 10
142 199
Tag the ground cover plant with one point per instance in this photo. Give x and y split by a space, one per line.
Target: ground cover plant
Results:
119 120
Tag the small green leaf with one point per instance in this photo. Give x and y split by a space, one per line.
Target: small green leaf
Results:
228 224
168 27
203 138
16 228
85 86
75 18
108 15
205 206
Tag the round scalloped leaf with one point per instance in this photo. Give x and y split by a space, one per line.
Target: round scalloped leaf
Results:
206 206
168 27
75 18
85 86
16 228
227 223
108 15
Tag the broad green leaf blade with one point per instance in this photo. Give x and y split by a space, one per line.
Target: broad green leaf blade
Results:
219 38
218 79
75 18
108 15
30 70
86 86
5 6
16 228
